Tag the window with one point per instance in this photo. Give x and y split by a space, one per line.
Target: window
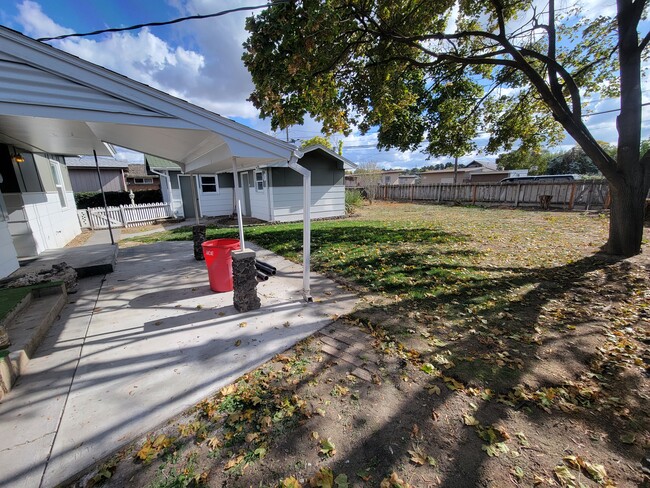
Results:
259 181
208 184
386 180
143 181
58 182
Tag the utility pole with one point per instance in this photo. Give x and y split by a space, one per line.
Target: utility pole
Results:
455 169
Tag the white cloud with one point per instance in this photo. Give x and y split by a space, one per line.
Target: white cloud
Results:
36 23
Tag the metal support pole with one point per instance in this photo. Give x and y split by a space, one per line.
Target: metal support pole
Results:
306 233
195 198
240 220
101 188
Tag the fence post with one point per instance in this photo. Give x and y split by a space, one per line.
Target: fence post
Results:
572 197
589 194
122 216
517 195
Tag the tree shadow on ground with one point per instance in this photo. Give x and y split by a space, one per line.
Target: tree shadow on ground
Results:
517 327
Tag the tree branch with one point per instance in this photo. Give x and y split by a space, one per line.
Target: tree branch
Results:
644 42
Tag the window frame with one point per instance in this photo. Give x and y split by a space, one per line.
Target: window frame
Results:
202 184
261 181
59 183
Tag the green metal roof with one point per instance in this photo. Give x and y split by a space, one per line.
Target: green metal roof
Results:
159 163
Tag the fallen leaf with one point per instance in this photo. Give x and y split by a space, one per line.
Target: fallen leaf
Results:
327 448
237 343
563 475
290 482
469 419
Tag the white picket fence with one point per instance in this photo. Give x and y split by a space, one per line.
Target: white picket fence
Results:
124 215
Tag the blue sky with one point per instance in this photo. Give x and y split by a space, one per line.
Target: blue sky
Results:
199 60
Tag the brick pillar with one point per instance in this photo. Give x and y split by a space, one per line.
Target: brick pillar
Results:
198 233
244 281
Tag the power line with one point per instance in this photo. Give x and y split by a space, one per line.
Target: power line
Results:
167 22
611 111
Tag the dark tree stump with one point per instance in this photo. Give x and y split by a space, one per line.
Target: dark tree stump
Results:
198 234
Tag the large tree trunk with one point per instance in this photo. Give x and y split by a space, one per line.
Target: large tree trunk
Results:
629 187
626 219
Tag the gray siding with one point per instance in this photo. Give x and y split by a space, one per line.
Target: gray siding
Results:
37 87
83 179
326 201
323 172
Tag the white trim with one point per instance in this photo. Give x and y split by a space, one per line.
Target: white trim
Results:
59 182
242 141
216 184
262 181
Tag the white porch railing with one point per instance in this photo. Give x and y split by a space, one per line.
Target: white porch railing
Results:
124 215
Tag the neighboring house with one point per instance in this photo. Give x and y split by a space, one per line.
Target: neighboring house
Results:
138 179
83 173
39 210
463 175
496 176
407 179
391 177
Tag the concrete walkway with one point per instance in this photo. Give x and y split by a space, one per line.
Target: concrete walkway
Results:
138 346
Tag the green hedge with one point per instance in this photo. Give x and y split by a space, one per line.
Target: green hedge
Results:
114 198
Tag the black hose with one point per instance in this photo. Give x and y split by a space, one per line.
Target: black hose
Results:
265 264
270 270
262 276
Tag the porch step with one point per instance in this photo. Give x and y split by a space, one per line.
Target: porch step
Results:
27 327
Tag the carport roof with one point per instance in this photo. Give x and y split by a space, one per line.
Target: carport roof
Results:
54 102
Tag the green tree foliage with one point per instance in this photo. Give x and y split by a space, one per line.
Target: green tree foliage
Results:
574 161
323 141
536 162
419 77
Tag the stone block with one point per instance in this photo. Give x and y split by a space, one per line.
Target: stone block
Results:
244 281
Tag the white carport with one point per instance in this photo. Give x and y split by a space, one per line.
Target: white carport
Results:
55 103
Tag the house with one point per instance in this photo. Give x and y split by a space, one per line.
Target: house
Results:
38 208
407 179
138 179
496 176
54 104
83 173
391 177
463 174
271 193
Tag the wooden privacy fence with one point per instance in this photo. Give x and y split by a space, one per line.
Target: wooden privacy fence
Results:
572 195
124 215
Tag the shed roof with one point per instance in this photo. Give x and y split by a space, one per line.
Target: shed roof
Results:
155 162
347 164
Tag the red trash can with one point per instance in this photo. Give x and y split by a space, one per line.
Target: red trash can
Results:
219 262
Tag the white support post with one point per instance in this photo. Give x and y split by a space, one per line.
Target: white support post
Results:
306 233
240 220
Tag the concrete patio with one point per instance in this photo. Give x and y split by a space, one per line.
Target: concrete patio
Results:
140 345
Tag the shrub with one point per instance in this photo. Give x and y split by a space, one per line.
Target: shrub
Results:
114 198
353 199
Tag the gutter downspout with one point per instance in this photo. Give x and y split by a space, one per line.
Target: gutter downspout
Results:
240 220
169 188
306 230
